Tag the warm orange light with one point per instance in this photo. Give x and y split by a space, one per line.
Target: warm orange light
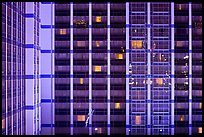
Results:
81 118
97 43
200 130
159 81
81 81
137 44
137 119
119 56
98 18
182 118
63 32
3 124
97 68
117 105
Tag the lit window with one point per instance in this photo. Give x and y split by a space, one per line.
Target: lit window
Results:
97 68
159 81
81 118
200 105
98 18
200 130
160 57
97 43
3 124
180 44
182 118
117 105
63 32
179 6
136 44
119 56
137 119
100 130
81 81
81 43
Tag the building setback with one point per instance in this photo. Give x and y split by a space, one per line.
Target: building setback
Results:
129 68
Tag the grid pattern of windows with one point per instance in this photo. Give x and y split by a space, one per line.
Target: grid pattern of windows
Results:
138 68
196 67
181 67
13 66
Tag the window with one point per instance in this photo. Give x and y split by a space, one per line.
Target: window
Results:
200 105
137 120
97 43
200 130
97 68
98 18
100 130
179 6
137 44
63 31
3 124
81 81
159 81
117 105
182 118
81 118
119 56
81 43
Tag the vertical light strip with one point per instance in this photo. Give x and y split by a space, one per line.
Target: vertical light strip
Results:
127 68
90 68
6 118
39 74
12 88
17 66
108 43
190 69
71 68
148 71
22 80
52 69
172 68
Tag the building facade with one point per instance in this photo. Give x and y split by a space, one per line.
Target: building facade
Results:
129 68
13 68
20 68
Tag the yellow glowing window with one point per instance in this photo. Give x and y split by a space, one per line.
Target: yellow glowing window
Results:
3 124
81 81
97 68
81 118
100 130
182 118
137 44
81 43
97 43
98 18
63 32
200 130
200 105
119 56
159 81
137 119
117 105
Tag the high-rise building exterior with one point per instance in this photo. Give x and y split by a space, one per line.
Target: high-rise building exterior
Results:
13 68
20 68
32 69
131 68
